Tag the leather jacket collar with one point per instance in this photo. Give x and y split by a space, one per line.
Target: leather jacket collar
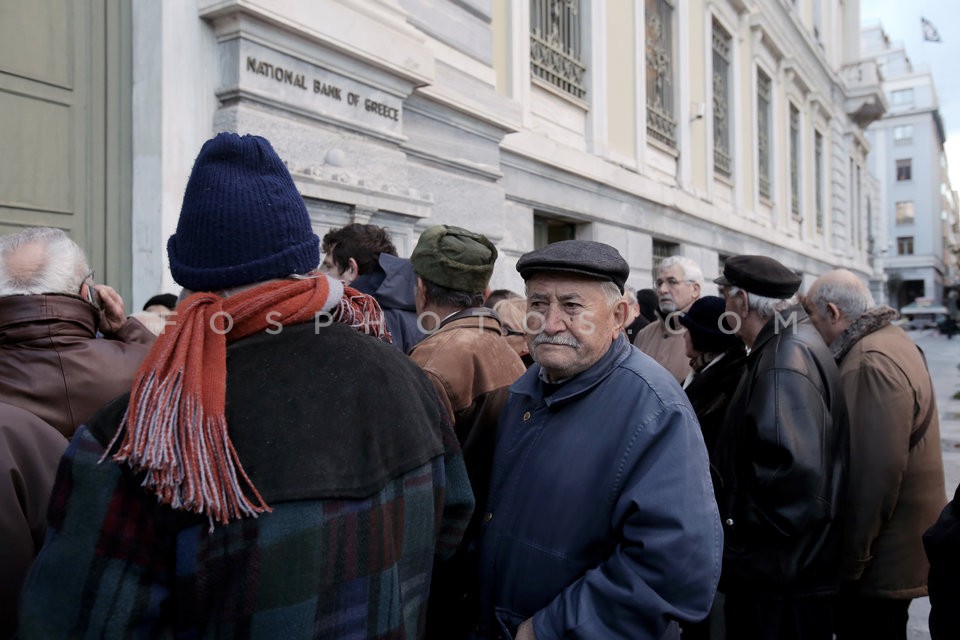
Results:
24 318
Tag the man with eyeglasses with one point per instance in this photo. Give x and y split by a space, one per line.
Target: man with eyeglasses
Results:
53 364
678 285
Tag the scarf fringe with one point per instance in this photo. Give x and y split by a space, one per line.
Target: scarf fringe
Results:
174 430
187 457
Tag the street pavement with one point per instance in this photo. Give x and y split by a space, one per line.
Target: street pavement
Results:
943 359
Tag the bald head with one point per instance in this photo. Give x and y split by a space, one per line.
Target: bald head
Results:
40 260
836 299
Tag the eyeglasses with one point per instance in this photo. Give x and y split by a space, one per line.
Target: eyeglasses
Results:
670 282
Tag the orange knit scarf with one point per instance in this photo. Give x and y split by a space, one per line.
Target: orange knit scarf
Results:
175 427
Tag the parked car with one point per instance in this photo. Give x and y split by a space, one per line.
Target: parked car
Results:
923 315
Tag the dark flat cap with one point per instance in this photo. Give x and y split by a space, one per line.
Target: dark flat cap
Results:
760 275
454 258
709 330
585 257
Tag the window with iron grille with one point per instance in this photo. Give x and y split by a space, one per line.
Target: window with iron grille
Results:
556 47
818 176
722 156
904 170
661 120
794 161
661 250
763 133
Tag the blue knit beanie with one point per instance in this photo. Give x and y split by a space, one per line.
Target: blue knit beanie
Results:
242 219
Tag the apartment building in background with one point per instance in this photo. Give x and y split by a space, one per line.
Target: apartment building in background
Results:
706 128
920 235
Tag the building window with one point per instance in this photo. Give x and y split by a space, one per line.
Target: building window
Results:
906 214
794 161
661 250
905 246
661 120
818 176
556 46
547 230
763 132
904 170
722 156
903 134
902 97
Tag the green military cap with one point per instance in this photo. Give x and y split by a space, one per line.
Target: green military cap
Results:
454 258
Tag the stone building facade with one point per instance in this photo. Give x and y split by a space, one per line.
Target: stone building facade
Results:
706 128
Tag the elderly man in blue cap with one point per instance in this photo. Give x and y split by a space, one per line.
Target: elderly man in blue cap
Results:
601 520
782 458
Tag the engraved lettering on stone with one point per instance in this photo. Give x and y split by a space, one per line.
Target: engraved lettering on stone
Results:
278 73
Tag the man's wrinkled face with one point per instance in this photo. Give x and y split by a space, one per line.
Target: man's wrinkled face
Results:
674 291
571 322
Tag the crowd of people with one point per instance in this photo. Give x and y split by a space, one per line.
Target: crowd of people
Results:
321 439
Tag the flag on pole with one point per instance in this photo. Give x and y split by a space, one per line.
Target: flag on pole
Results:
930 33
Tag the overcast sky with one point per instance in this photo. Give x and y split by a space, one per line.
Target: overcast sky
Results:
901 21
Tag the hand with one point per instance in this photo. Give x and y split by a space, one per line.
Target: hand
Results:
525 631
112 316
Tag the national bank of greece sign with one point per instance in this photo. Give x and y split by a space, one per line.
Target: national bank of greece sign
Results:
280 78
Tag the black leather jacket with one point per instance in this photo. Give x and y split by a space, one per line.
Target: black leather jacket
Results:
782 459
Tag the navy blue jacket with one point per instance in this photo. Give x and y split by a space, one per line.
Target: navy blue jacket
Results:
601 520
393 286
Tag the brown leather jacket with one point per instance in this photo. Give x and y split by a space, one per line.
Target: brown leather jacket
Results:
53 365
471 365
29 453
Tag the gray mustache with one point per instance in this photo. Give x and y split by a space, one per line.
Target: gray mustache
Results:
559 339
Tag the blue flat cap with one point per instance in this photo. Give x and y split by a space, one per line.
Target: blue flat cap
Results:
585 257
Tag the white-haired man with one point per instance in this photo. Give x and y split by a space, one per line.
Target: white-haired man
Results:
600 521
896 481
53 364
781 457
678 284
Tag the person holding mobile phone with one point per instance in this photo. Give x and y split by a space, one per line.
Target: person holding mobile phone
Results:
51 314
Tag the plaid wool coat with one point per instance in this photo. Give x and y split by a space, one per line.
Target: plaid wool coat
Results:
323 564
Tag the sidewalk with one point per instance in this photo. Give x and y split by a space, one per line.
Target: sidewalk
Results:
943 359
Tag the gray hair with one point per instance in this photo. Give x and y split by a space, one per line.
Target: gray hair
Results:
691 270
765 307
851 296
630 295
611 292
61 267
